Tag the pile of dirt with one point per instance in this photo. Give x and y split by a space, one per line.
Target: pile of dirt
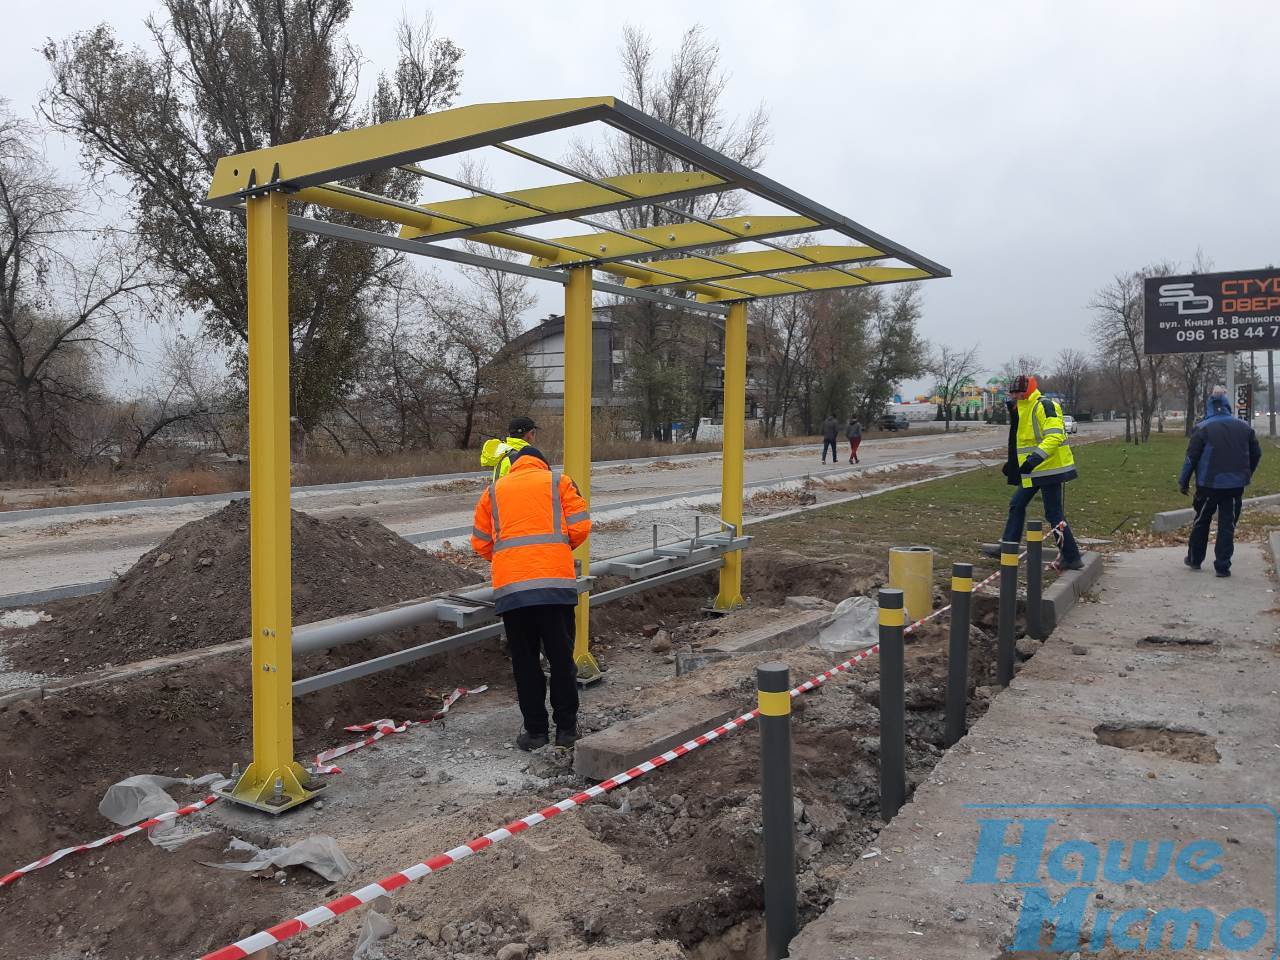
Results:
192 590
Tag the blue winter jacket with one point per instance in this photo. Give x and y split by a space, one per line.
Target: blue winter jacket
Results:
1223 452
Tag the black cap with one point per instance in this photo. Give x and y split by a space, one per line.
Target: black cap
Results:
1019 384
520 426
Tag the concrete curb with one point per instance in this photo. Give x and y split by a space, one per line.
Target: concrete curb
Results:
1173 519
1066 591
1273 541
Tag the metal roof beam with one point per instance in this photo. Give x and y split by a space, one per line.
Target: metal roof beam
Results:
340 231
503 210
630 120
603 248
816 281
352 153
374 207
757 262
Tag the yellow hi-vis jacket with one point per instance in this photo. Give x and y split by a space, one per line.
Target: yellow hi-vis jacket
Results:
497 454
1041 431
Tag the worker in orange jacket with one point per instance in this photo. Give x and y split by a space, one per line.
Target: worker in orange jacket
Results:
527 525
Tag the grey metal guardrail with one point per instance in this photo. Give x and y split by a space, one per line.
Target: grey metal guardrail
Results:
371 624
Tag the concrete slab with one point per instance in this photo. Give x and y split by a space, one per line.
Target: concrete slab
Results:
796 628
1066 591
623 745
1173 519
918 892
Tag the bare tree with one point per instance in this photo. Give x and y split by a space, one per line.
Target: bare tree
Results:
229 76
1068 377
1118 335
67 292
689 96
673 376
955 369
495 298
782 324
1023 363
186 391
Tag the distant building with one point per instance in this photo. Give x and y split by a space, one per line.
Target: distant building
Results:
542 348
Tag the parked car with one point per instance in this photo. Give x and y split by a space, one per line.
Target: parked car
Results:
1069 423
894 421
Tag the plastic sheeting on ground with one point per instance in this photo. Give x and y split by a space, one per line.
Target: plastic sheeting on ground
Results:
318 854
377 926
855 624
145 796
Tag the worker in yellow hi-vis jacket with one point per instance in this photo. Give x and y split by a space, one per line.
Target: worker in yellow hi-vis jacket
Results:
1040 461
500 454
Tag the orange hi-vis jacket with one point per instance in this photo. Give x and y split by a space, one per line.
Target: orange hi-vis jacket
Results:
527 524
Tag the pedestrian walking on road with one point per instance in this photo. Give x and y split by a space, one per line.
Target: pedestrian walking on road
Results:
527 525
1039 461
1222 455
853 433
830 430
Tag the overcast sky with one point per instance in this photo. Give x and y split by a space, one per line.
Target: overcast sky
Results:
1034 148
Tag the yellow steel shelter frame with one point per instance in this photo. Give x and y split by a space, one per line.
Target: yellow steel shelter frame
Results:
687 261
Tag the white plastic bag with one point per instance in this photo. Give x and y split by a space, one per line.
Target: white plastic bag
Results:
855 625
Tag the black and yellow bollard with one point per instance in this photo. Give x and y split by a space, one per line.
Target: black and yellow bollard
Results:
958 652
777 802
893 719
1007 627
1035 578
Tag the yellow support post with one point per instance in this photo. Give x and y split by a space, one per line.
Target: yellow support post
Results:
274 781
734 447
577 439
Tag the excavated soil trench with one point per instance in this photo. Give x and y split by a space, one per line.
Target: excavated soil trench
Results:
669 867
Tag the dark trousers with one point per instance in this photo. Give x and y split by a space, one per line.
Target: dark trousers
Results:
1226 504
1054 512
549 629
854 443
832 444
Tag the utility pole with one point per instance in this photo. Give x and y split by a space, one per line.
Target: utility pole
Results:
1230 364
1271 393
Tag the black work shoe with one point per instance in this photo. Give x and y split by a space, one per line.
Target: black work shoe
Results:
566 738
1223 573
1077 565
531 741
1193 566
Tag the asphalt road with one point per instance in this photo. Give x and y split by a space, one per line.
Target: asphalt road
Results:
50 548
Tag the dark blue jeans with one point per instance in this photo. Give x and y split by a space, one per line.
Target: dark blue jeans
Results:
1051 496
1226 504
832 444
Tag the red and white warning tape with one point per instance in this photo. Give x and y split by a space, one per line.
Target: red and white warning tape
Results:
335 908
1056 533
10 878
385 728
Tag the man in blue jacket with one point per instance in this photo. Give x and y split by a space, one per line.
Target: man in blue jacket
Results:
1222 455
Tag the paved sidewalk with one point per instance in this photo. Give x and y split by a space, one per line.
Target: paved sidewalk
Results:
928 893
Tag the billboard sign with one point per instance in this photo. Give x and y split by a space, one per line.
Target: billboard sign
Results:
1244 401
1212 312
